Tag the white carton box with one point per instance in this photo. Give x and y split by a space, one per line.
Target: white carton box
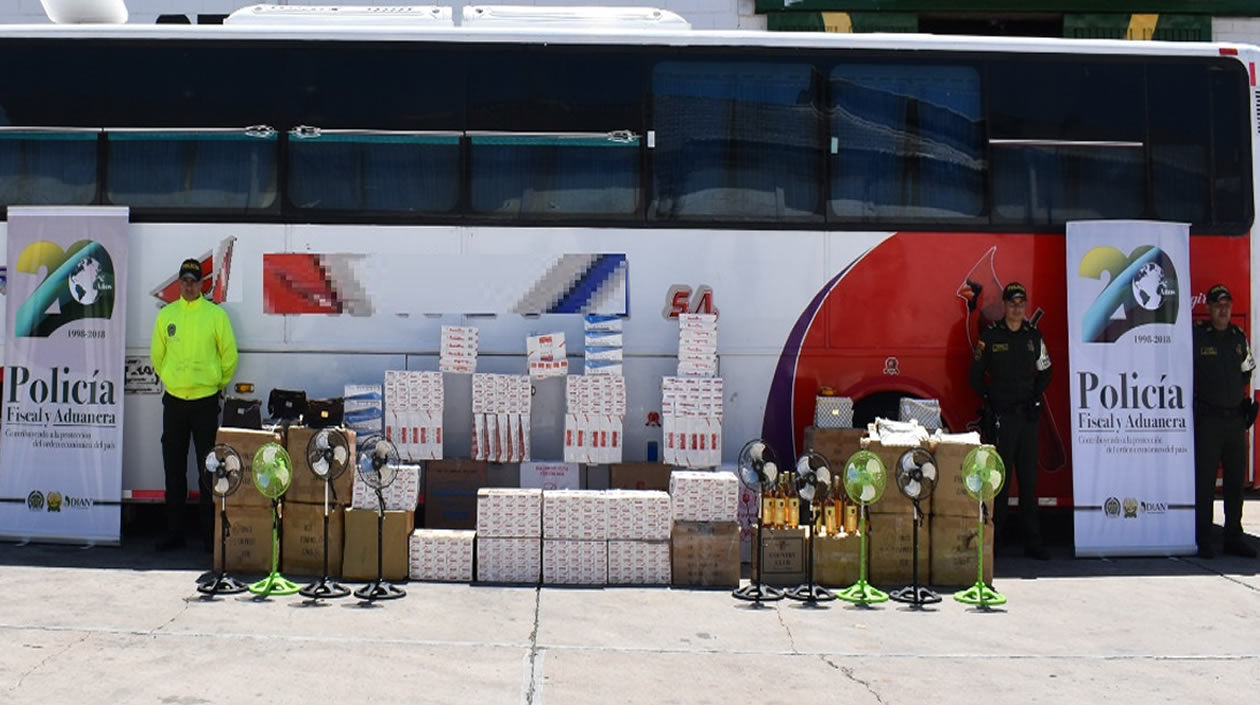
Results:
639 515
403 494
575 514
516 561
569 562
639 563
509 513
704 496
441 554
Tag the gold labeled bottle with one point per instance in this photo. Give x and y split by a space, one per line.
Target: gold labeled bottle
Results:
793 505
767 508
780 504
850 517
831 520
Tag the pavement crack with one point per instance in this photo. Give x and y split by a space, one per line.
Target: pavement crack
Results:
1208 569
531 688
174 617
791 639
848 673
48 658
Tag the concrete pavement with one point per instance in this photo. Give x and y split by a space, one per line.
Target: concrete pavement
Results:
110 625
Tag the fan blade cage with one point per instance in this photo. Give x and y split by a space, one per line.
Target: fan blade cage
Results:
983 473
758 464
378 462
223 465
865 477
326 454
273 470
916 473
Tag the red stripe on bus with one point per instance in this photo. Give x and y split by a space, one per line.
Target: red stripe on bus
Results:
1251 66
156 495
1225 51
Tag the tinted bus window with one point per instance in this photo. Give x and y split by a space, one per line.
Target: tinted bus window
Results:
43 168
1231 148
1180 131
374 173
542 175
1034 185
191 170
737 141
907 142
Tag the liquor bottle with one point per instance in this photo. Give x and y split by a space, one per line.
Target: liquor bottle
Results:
831 520
793 504
850 517
767 507
780 503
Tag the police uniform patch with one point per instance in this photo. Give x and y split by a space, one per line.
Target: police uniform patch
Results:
1000 347
170 330
1030 346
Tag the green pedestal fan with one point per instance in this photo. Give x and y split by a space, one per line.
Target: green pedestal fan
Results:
864 481
983 473
273 473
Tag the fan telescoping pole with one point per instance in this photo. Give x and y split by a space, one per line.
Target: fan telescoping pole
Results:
983 474
222 584
380 589
759 459
325 587
980 595
915 595
327 467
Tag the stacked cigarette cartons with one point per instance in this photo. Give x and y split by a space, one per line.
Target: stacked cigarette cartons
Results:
401 495
604 344
697 345
639 524
413 413
509 535
458 354
575 537
547 356
441 554
706 532
365 409
500 418
596 409
692 425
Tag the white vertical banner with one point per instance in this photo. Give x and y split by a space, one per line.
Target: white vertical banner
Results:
1132 382
61 438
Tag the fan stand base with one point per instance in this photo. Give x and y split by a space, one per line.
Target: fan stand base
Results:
862 593
221 584
324 589
980 595
915 596
274 584
379 590
757 593
811 593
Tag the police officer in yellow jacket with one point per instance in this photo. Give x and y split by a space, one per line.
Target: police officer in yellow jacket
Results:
1222 414
194 353
1010 370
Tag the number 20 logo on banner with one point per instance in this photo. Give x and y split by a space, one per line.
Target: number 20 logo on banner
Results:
78 284
1142 289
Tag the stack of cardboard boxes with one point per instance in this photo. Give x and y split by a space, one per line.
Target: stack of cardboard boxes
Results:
575 537
248 512
360 554
509 535
891 523
705 534
954 518
639 523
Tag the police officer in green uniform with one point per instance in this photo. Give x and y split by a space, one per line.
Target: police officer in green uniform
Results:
1010 370
1222 414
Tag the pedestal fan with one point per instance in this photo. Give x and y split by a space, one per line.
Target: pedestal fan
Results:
273 474
758 466
864 482
224 469
378 466
813 483
983 473
328 456
916 479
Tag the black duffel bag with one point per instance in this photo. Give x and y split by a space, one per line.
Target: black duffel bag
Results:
324 413
286 404
239 412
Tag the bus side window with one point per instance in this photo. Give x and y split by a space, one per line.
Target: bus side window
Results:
736 140
227 170
47 167
908 142
373 172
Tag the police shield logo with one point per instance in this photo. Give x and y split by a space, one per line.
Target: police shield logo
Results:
170 330
78 283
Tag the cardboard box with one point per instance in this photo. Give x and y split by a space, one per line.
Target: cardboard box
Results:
639 515
785 556
575 515
891 550
450 493
441 554
704 496
954 557
306 486
246 443
835 444
550 476
302 539
950 497
401 495
640 476
509 513
568 562
248 541
836 560
513 561
359 556
705 554
893 502
638 563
